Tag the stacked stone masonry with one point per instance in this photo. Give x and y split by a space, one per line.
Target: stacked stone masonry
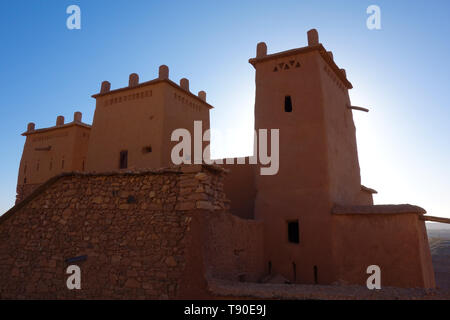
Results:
132 226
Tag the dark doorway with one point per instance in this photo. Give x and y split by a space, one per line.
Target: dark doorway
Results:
293 232
123 162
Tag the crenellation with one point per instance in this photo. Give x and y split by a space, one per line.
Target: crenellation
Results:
59 121
184 84
163 72
30 127
261 50
77 117
133 80
202 95
313 37
105 87
330 54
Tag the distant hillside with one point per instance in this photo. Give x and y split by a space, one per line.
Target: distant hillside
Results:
437 226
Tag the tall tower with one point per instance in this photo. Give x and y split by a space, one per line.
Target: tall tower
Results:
50 151
132 126
304 94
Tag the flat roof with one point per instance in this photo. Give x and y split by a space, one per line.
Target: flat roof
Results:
378 209
318 47
152 82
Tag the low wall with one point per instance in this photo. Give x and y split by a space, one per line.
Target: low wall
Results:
392 237
234 248
143 235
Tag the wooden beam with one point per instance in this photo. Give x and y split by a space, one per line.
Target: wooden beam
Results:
358 108
435 219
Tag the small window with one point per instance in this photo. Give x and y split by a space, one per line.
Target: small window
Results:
82 166
37 166
293 232
24 180
147 149
123 162
62 164
287 104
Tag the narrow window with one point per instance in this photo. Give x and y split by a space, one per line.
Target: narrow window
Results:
287 104
37 166
270 267
82 166
123 162
62 164
316 278
24 180
293 232
25 168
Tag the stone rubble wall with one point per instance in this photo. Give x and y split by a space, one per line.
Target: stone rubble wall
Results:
133 227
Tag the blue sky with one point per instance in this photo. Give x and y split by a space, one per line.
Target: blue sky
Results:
401 72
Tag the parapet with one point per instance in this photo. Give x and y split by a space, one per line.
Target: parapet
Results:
313 45
77 121
387 209
163 76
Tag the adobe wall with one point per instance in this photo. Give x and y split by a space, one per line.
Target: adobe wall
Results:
49 152
129 120
234 249
145 234
181 109
239 186
342 154
396 242
138 117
